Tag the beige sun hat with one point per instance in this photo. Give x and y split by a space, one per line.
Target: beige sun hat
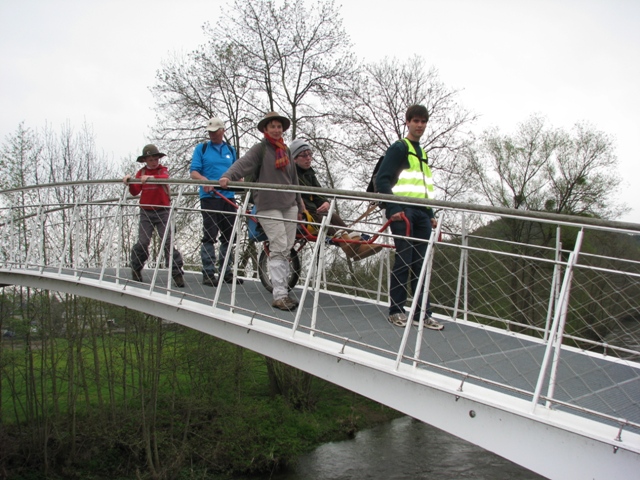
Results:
286 123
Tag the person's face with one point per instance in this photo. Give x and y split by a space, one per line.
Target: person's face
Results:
217 136
274 129
416 128
303 160
152 161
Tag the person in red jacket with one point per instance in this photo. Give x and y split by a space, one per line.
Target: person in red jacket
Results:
154 214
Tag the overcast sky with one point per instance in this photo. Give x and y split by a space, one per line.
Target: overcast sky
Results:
570 60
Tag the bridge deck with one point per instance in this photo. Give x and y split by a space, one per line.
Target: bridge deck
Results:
605 385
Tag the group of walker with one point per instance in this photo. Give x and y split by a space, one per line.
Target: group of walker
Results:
403 172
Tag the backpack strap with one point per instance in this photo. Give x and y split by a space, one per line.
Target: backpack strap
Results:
406 141
206 144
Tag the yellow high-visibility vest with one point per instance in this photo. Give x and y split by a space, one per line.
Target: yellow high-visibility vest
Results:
416 181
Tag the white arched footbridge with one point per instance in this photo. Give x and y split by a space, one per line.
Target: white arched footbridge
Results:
539 360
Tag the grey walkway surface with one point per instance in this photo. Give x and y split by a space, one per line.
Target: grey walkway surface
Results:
588 381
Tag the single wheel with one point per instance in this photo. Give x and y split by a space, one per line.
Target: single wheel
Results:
263 269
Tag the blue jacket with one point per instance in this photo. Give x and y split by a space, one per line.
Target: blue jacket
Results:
216 160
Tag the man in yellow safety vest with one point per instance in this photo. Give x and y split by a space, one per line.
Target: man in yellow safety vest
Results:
405 172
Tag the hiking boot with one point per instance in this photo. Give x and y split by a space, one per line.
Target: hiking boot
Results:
284 304
136 275
349 248
398 319
209 281
430 323
179 280
365 250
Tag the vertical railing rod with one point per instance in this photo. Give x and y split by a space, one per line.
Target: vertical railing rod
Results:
36 241
461 276
112 233
465 296
431 249
314 271
171 229
161 255
559 319
120 229
554 290
41 224
67 239
381 276
235 237
555 364
421 277
13 235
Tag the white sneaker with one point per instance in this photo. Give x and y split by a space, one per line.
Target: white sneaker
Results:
398 319
430 323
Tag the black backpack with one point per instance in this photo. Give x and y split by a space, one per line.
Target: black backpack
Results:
371 188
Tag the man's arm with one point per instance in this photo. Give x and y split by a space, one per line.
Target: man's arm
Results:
394 161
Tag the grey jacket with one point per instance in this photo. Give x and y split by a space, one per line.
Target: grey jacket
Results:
267 200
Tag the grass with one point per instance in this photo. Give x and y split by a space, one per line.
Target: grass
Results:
173 403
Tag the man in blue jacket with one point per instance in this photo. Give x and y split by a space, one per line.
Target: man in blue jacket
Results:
210 160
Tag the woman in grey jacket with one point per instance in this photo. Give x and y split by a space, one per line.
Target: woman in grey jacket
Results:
271 159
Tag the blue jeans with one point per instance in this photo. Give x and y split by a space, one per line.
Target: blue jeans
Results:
409 257
218 217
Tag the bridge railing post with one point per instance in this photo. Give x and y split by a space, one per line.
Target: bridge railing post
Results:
463 278
36 238
235 238
112 232
316 269
66 241
422 286
554 291
554 342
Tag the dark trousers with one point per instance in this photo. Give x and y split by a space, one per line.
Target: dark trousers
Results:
409 257
218 217
151 220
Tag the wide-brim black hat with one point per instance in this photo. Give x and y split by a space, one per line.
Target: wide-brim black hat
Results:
150 151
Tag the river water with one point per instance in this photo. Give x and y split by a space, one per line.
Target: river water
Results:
404 449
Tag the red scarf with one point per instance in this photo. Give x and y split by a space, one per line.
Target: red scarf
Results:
282 159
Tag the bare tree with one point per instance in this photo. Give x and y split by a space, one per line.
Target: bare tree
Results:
543 168
584 176
260 56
